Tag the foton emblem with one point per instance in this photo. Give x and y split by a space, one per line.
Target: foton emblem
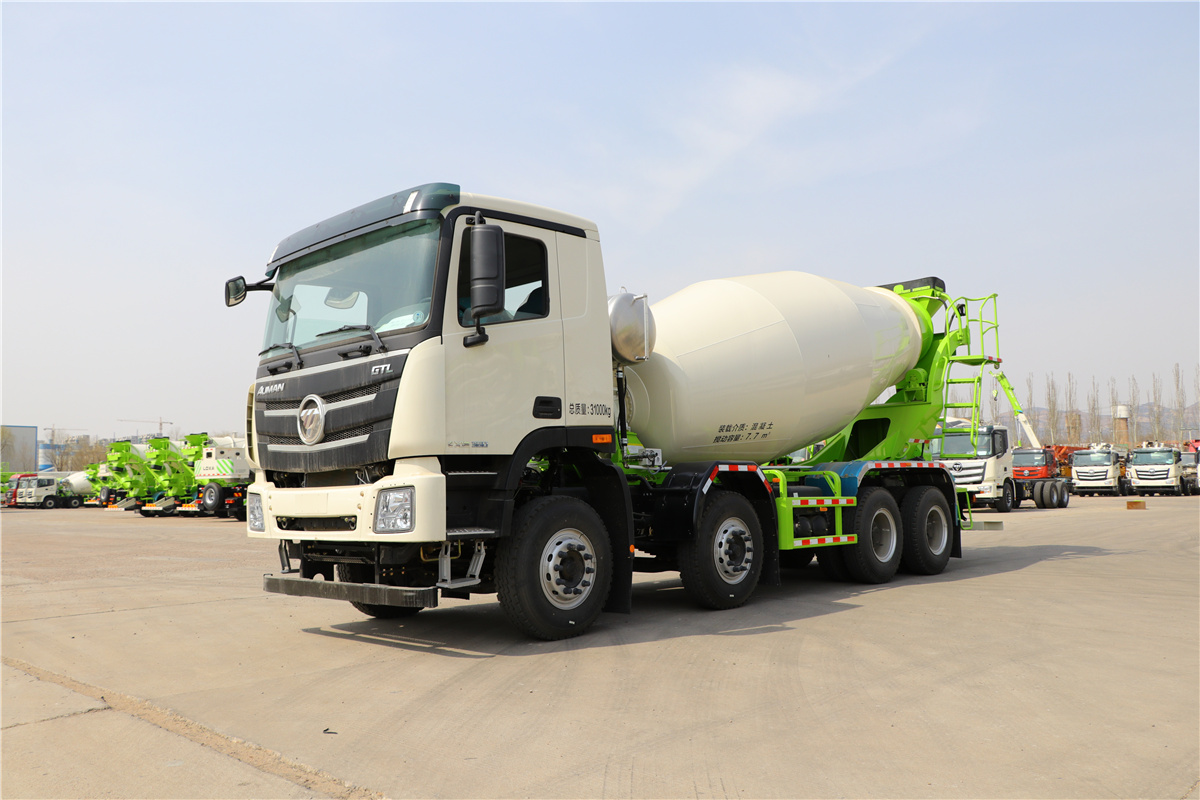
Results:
310 419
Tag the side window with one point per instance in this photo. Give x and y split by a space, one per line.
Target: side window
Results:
525 290
999 442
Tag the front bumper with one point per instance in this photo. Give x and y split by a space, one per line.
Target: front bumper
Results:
366 593
346 513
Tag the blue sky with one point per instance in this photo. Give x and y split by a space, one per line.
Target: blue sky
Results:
1049 152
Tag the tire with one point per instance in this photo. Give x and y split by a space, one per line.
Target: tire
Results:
1039 496
105 494
720 565
212 497
1050 494
238 513
1016 503
562 535
358 573
1004 503
49 502
74 502
928 531
1064 496
169 512
875 557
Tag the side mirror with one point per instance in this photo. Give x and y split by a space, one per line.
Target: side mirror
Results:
235 291
486 244
487 270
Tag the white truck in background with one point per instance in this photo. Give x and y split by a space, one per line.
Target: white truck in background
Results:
988 475
1098 470
1156 468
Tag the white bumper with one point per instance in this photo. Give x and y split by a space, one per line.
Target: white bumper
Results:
340 504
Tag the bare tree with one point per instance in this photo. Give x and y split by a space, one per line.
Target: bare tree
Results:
1051 409
1180 402
1134 400
1030 409
1114 400
1156 395
1094 432
1074 434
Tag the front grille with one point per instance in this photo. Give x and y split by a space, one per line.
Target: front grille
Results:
970 473
316 524
334 397
1152 473
1092 474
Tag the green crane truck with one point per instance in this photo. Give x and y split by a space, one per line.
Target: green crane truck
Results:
445 396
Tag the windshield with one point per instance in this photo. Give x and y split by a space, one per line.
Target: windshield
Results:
383 279
959 443
1037 459
1188 458
1091 458
1152 457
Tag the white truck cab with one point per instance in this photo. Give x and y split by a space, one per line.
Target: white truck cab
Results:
1156 468
1097 470
988 474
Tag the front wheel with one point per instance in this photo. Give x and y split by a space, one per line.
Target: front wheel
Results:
720 565
875 557
927 531
553 574
1004 503
49 502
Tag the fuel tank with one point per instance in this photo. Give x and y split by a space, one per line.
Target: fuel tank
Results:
753 368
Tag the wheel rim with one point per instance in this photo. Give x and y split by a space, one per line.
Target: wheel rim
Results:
567 566
733 551
883 535
937 531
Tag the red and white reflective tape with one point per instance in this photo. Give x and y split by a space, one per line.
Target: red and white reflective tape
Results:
823 501
920 441
735 468
826 540
905 464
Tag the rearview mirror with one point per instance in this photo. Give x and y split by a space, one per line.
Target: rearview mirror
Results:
235 291
487 270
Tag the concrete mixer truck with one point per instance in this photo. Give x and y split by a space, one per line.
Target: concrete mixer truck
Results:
447 404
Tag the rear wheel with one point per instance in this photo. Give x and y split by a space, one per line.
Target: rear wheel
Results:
213 497
1064 496
720 565
927 531
363 573
553 574
1050 494
74 502
875 557
1039 497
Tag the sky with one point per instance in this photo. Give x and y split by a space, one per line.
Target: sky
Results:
1047 152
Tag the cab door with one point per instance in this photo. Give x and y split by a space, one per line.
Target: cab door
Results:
499 391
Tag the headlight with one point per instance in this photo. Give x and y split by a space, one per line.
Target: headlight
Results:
394 510
254 513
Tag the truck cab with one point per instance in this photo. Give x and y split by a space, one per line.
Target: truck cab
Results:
987 474
1036 471
1099 470
1156 468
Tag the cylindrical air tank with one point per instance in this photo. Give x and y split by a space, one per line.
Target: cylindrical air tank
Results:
755 367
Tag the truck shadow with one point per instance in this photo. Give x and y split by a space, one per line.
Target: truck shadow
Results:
662 610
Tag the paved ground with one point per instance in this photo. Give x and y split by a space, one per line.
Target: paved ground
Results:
1060 658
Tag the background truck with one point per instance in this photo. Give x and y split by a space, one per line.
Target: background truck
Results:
1156 468
171 463
1036 472
981 461
445 399
1099 469
222 475
53 490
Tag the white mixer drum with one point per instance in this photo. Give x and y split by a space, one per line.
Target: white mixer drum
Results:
755 367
